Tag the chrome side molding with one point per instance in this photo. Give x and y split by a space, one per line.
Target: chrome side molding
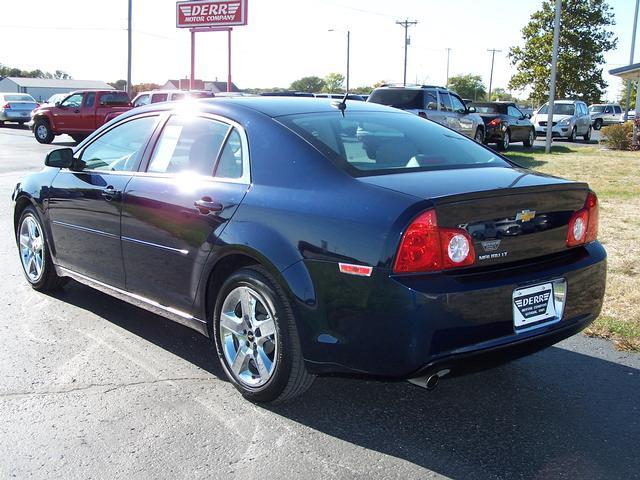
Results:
171 313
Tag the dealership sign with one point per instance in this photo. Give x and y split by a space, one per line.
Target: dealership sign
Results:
211 13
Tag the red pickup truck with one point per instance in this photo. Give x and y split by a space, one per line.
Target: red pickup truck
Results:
79 114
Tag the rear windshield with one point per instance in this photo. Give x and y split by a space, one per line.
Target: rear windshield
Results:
374 143
560 109
404 99
120 99
19 98
486 108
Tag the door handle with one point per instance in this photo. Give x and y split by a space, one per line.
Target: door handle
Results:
110 193
206 205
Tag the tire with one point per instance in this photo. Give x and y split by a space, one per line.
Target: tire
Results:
528 143
504 143
479 136
587 136
597 125
280 373
42 132
572 136
33 250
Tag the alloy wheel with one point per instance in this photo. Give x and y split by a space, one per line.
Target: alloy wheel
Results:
248 336
31 248
42 131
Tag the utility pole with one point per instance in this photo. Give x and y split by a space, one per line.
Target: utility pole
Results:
448 52
129 89
552 83
633 45
406 24
493 57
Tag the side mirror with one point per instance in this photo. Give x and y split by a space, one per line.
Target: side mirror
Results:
471 109
60 158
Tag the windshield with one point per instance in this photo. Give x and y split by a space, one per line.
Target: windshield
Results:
559 109
374 143
596 108
19 98
403 99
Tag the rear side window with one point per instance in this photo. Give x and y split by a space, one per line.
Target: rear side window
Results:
90 99
117 99
230 163
378 143
188 144
121 147
406 99
159 97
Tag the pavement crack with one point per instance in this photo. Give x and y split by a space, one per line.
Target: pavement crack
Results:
110 387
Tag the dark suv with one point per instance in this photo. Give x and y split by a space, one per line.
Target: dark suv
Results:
435 103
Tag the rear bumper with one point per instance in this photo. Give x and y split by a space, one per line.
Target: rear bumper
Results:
401 327
15 116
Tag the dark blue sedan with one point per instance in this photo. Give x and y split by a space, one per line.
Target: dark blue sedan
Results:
308 237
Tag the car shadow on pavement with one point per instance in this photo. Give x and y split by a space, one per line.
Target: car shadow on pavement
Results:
555 414
170 336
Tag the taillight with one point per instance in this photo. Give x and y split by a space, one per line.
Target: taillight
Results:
425 247
6 106
583 224
494 123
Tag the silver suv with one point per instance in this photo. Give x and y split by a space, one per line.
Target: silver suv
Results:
570 119
605 114
435 103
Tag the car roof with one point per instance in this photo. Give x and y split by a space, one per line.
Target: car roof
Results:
278 106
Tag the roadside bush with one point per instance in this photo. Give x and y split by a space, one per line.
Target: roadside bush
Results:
618 137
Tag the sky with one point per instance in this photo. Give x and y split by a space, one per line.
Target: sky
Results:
284 40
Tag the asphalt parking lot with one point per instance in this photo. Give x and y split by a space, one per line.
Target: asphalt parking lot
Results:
91 387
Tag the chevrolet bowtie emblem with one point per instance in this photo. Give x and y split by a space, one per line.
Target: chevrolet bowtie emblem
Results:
526 215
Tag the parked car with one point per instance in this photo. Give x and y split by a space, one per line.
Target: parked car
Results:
631 115
340 96
435 103
286 93
16 107
79 114
505 123
571 119
302 248
605 114
157 96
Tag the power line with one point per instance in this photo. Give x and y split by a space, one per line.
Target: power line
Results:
406 24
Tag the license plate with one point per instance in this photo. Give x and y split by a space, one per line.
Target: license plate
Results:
533 305
26 114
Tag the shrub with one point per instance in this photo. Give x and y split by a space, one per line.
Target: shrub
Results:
618 137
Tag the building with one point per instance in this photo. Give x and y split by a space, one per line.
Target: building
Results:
42 88
183 84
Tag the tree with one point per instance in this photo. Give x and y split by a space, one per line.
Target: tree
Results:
632 98
61 75
119 84
468 86
361 90
311 84
500 94
334 83
140 87
584 38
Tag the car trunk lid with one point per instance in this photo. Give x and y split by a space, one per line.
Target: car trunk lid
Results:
511 214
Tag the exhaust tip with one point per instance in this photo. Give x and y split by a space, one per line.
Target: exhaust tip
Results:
430 381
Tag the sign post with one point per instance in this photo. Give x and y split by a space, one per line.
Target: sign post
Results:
210 16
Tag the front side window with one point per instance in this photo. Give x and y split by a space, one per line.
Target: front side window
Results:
457 104
188 144
617 109
74 101
596 108
375 143
141 100
608 110
120 148
514 112
159 97
430 100
445 101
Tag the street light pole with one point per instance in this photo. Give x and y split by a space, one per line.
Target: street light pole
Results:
348 52
493 57
129 89
448 52
633 45
406 24
552 83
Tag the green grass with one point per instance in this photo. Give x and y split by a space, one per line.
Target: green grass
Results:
615 177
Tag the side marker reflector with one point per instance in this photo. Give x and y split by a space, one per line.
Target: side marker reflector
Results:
360 270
